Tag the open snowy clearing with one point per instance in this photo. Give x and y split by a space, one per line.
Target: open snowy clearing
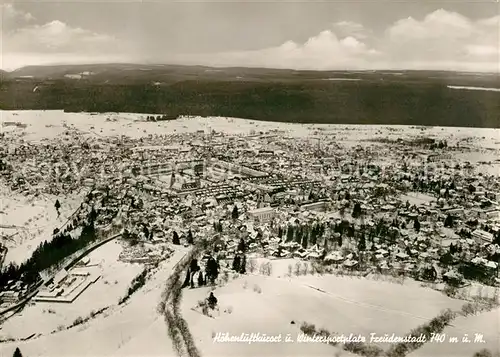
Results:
417 199
51 124
400 307
29 221
269 312
340 305
133 329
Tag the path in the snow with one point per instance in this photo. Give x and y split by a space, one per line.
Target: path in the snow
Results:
169 308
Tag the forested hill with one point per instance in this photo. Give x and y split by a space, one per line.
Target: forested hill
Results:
375 97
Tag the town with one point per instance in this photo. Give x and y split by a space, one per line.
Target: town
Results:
409 209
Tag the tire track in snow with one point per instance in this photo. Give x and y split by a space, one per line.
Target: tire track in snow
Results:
178 329
363 304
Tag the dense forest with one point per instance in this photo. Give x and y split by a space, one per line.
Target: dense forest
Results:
412 99
47 255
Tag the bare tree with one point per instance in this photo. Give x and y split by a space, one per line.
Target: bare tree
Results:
297 269
305 270
252 265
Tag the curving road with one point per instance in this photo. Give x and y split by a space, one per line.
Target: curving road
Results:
178 329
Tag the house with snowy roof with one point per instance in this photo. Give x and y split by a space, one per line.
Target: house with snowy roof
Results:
482 236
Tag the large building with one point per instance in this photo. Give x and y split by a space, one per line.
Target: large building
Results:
234 168
263 214
482 237
320 206
199 168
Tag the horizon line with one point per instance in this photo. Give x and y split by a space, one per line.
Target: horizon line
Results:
249 67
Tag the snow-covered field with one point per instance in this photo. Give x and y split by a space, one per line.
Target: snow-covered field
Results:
265 305
339 304
269 312
133 329
342 305
378 306
487 324
29 221
53 123
417 198
475 88
50 316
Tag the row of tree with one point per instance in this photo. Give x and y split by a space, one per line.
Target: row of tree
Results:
240 263
217 227
303 234
160 117
310 234
176 239
211 273
441 144
49 254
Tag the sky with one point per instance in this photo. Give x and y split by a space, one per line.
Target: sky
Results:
459 35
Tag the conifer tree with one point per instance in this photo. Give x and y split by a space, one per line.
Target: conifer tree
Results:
242 246
57 206
289 234
305 237
175 239
235 214
187 279
356 212
243 265
362 243
416 225
448 222
201 281
298 234
190 239
236 263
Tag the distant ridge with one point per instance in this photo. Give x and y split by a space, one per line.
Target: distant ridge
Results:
55 71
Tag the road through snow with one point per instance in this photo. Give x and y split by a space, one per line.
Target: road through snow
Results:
178 330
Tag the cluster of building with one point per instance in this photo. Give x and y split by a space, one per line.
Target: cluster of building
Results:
279 184
366 207
67 285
